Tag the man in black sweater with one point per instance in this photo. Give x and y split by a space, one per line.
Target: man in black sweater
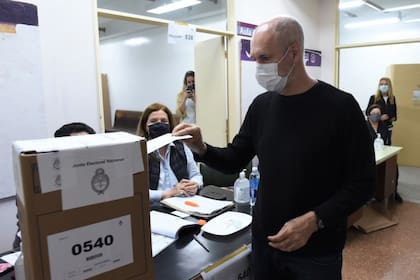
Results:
316 160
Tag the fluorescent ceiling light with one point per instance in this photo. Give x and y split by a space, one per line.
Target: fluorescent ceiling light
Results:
372 22
397 35
402 8
166 8
138 41
373 5
351 4
412 20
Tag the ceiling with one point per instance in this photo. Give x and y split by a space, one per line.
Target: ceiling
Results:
210 8
114 28
386 32
367 12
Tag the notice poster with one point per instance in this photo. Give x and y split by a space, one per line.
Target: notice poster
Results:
21 92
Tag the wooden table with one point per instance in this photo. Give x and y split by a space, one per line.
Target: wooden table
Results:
377 215
386 173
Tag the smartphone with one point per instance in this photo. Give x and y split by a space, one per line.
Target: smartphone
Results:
190 87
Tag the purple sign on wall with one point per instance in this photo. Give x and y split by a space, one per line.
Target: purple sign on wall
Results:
312 57
246 50
245 29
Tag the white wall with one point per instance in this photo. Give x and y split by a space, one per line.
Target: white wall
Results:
361 68
153 72
311 14
317 19
141 75
69 59
69 78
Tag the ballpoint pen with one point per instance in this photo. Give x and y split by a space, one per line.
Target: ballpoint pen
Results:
201 244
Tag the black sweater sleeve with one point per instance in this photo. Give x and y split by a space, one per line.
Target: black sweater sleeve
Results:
359 170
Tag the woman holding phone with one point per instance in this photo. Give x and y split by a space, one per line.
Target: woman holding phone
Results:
186 99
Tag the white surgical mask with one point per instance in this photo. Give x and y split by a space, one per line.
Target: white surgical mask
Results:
384 88
268 76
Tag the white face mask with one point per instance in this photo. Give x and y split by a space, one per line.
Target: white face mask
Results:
383 88
268 76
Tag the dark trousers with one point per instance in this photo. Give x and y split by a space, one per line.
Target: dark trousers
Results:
269 263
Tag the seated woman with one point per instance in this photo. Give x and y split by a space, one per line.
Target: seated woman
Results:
172 169
375 124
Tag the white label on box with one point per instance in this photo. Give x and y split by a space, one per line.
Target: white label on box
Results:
94 175
49 171
50 164
87 251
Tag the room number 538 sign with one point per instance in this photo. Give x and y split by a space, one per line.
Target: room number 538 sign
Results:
90 250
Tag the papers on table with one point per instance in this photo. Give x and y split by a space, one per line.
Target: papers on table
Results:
166 229
11 258
167 224
198 205
160 242
158 142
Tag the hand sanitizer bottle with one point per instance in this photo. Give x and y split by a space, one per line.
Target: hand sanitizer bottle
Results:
378 143
241 189
254 180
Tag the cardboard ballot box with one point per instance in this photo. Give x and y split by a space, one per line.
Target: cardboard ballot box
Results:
84 207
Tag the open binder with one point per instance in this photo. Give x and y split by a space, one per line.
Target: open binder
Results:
166 229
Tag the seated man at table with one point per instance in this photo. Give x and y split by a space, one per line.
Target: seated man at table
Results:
172 169
70 129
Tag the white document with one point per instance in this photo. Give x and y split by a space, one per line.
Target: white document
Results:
11 258
87 251
181 33
158 142
160 242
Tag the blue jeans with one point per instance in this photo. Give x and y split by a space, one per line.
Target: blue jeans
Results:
269 263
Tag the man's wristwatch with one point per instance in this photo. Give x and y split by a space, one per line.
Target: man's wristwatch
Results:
319 223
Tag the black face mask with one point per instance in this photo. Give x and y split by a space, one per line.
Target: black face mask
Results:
158 129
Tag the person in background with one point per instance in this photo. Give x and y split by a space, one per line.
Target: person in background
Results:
375 124
312 177
74 129
186 99
385 98
70 129
172 169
